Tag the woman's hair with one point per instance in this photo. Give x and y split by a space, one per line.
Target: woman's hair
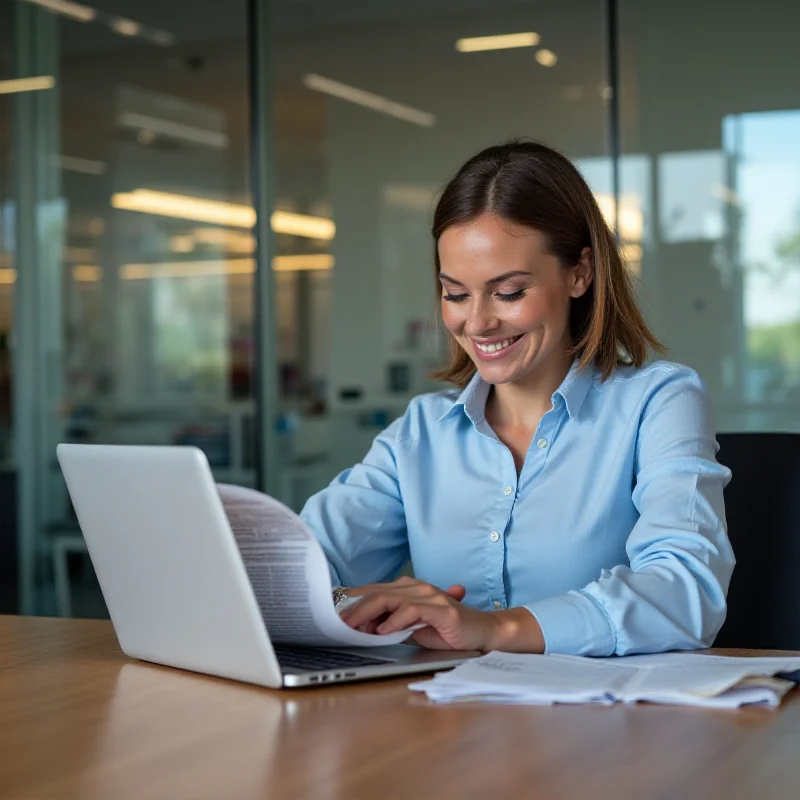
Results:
531 184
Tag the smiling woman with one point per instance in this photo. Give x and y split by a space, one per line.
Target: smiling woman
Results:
566 496
526 206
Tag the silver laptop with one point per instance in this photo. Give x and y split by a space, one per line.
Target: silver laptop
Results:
175 584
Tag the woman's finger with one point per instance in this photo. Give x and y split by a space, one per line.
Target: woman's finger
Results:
457 592
372 606
408 614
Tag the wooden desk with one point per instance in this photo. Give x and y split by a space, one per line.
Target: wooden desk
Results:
78 720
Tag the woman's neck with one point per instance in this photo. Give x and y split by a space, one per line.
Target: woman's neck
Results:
523 403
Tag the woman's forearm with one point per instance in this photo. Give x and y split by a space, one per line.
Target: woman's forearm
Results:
516 630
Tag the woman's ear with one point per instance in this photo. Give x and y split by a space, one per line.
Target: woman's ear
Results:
582 273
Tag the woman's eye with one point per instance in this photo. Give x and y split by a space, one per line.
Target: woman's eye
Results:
509 298
454 298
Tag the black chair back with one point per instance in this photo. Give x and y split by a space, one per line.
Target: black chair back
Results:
762 506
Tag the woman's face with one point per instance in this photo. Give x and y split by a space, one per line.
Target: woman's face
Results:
505 299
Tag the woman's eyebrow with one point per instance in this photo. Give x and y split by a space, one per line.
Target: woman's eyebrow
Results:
497 279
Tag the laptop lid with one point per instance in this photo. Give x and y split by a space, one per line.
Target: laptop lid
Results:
166 559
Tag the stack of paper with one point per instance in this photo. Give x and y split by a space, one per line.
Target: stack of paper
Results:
678 678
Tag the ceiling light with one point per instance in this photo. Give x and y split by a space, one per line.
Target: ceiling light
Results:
76 11
126 27
85 165
232 241
368 100
173 130
504 42
547 58
215 267
188 269
302 225
27 84
180 206
303 262
87 273
233 215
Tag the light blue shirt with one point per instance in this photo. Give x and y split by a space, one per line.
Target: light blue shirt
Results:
613 535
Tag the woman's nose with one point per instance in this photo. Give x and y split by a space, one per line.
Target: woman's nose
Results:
481 320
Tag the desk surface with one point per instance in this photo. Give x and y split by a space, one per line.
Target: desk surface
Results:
79 720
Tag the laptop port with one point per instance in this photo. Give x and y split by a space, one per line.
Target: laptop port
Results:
313 678
349 674
325 677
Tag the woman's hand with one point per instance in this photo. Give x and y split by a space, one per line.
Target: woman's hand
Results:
449 625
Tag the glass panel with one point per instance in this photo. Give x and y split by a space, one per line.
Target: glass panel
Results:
710 109
152 279
375 108
8 509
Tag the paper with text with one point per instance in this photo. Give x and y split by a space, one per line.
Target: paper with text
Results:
675 678
289 573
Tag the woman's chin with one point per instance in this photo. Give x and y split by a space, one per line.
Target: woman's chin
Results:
496 373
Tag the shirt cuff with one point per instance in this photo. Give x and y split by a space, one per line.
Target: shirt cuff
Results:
574 624
335 579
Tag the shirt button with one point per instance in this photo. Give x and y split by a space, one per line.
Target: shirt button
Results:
541 444
507 491
494 536
497 604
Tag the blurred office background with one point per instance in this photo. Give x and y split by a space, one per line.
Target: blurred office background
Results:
143 300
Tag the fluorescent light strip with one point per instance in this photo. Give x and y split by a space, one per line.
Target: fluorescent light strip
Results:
505 42
232 215
547 58
27 84
120 25
85 165
368 100
126 27
76 11
87 273
322 261
174 130
184 207
232 241
302 225
211 268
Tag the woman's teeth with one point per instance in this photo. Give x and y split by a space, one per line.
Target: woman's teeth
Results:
496 346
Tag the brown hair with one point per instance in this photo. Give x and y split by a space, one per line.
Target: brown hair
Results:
531 184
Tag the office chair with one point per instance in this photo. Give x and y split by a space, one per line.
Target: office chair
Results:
762 506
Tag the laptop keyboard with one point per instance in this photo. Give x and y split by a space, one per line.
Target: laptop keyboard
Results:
314 659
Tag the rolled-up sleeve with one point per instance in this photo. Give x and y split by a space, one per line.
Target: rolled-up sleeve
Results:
672 595
359 518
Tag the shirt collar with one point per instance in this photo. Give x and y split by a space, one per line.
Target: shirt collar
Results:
573 389
472 400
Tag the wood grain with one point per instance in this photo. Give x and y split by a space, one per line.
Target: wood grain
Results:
79 720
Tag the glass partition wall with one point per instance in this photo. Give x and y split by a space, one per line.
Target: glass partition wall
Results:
144 300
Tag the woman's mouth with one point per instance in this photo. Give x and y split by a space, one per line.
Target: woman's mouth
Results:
495 349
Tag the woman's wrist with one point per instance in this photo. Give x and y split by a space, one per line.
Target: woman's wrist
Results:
515 630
